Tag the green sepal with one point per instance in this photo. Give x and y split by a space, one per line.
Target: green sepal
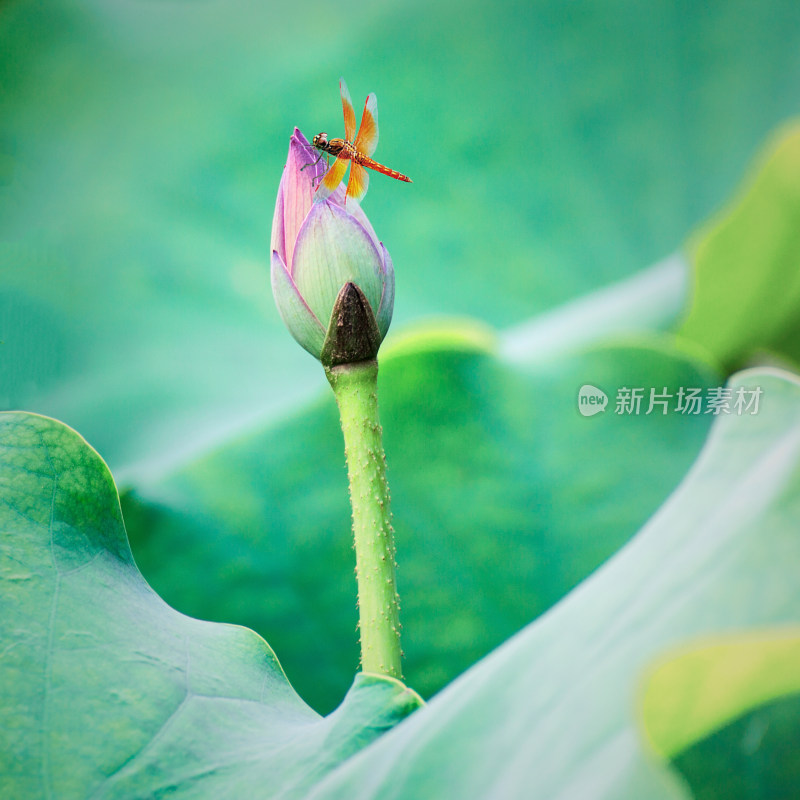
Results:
353 333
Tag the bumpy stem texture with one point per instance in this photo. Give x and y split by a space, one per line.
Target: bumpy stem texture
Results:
355 388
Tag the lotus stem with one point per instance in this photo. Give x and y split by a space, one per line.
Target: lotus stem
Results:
355 388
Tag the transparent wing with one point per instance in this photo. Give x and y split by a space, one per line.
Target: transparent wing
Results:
359 182
349 112
367 139
333 177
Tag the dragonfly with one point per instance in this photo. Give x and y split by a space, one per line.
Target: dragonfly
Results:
355 149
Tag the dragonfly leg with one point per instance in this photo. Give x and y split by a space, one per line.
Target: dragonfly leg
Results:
318 180
312 163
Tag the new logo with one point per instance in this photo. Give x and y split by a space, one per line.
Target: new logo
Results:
591 400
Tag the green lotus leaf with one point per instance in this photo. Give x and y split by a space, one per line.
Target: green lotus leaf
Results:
553 712
105 691
699 689
746 264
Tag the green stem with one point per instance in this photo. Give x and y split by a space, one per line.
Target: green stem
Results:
355 387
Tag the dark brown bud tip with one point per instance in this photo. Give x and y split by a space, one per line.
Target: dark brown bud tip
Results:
353 333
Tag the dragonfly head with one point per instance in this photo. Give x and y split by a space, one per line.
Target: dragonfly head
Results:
320 141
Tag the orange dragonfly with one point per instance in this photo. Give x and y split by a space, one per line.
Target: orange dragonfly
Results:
357 151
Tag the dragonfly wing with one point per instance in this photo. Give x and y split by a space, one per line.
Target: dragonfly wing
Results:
333 177
367 139
359 182
349 112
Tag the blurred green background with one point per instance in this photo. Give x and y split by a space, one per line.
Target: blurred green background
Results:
555 148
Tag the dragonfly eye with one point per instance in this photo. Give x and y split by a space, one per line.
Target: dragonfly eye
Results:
320 139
